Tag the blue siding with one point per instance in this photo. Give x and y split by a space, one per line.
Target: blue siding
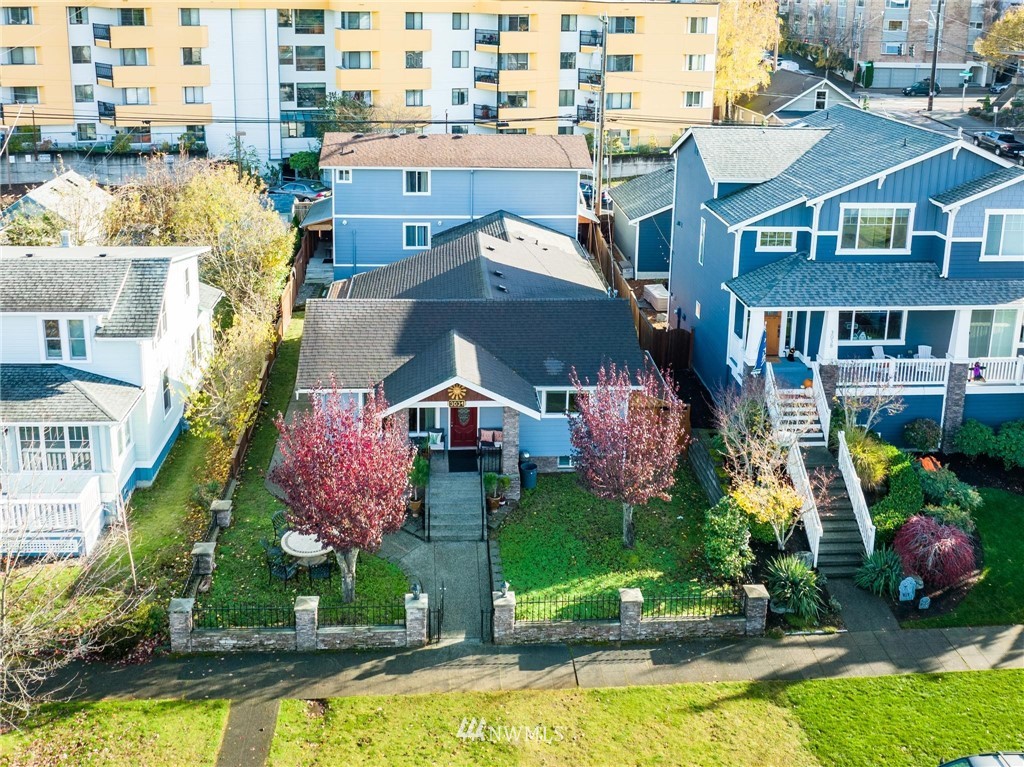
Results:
930 328
655 235
994 409
725 189
547 436
917 406
624 234
814 339
797 214
922 248
965 263
148 473
970 221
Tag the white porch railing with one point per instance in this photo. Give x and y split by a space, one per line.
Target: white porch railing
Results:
771 393
50 522
998 370
893 372
853 489
736 349
820 401
812 522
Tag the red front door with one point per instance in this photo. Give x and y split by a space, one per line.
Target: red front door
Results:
463 426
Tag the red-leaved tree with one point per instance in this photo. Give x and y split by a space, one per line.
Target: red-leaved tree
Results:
344 475
627 437
941 554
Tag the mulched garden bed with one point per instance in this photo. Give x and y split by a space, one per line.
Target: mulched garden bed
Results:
943 600
985 472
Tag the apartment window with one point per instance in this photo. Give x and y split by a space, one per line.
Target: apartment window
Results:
460 21
292 129
698 25
414 21
355 20
693 99
461 129
343 175
567 60
285 54
363 97
993 333
568 22
895 25
875 229
559 402
820 99
17 56
619 101
1004 236
414 59
284 17
189 17
870 326
514 62
17 16
165 387
460 96
132 96
565 130
622 25
25 94
86 131
513 99
356 60
417 182
566 98
287 91
309 22
513 131
620 63
514 23
776 240
310 58
191 56
133 17
134 57
421 419
415 236
193 94
123 436
414 98
83 93
700 242
310 95
460 59
78 14
696 62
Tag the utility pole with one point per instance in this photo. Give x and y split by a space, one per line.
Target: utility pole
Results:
238 151
935 54
599 144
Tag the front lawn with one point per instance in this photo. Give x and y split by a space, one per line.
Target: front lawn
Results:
902 721
241 574
998 596
563 542
117 734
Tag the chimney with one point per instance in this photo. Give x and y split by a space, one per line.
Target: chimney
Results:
65 238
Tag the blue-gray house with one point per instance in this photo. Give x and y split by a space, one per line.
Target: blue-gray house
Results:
642 227
863 253
394 192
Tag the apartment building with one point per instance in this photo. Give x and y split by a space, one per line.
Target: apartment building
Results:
898 36
82 74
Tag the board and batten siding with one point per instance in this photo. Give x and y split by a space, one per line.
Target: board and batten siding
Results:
544 437
652 260
993 408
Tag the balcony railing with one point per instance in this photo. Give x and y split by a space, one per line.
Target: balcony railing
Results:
487 37
485 112
106 110
104 72
997 370
591 77
585 114
893 372
37 517
591 38
101 32
484 75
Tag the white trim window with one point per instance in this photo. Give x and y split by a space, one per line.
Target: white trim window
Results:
122 436
696 62
559 403
776 241
693 99
875 229
343 175
992 333
415 236
700 242
566 462
875 326
422 419
165 389
1004 236
416 182
698 25
61 448
65 340
821 99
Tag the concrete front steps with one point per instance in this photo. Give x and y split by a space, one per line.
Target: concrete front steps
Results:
455 506
800 415
841 550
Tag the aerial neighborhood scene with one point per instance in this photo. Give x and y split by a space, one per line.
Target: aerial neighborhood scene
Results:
604 382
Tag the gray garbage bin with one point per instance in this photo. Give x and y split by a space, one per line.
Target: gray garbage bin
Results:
528 471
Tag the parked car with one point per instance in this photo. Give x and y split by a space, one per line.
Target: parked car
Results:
998 87
1001 759
1000 142
921 88
303 191
588 195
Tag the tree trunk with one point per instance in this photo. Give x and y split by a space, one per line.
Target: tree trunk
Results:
628 530
347 565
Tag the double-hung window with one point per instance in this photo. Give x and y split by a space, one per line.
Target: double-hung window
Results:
875 229
414 98
776 240
355 20
165 388
64 340
867 327
1004 236
193 94
414 21
417 182
568 22
415 236
123 436
622 25
422 419
693 99
696 62
821 99
343 175
55 448
559 402
460 59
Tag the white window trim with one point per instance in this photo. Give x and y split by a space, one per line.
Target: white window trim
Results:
984 235
405 227
544 402
759 248
65 339
696 310
68 454
416 194
339 175
693 106
700 243
570 462
168 408
843 207
121 431
901 341
437 419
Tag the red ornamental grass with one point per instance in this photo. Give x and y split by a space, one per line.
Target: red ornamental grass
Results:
941 554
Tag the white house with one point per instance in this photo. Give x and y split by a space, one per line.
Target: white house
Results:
79 203
95 346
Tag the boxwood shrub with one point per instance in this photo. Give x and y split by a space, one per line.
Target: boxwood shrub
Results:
903 500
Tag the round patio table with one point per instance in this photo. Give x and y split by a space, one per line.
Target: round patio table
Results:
305 548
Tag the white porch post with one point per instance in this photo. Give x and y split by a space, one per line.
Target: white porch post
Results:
756 328
828 344
959 339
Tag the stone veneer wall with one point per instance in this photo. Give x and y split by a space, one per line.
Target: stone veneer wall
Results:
956 394
510 450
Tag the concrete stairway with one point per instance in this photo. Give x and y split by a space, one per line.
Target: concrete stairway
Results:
841 550
799 414
455 504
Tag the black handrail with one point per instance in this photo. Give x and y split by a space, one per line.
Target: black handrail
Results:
591 37
487 37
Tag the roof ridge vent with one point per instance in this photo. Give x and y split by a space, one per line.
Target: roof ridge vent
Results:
503 289
498 273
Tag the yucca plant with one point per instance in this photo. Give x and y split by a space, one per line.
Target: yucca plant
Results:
881 573
793 585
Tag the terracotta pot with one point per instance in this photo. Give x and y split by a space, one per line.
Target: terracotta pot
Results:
493 503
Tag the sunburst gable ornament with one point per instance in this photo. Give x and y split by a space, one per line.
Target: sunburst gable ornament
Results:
456 396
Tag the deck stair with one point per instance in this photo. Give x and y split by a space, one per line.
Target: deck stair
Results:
841 550
800 415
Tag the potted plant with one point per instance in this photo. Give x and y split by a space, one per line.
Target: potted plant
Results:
491 490
419 475
504 483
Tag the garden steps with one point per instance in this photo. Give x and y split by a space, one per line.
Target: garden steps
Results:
455 506
841 549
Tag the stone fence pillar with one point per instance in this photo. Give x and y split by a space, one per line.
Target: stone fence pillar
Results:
631 605
306 623
221 511
510 450
180 619
416 616
202 557
755 608
503 617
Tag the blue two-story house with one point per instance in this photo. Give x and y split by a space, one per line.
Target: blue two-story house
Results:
853 252
394 192
642 223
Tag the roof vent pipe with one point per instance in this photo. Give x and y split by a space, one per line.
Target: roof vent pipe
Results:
65 238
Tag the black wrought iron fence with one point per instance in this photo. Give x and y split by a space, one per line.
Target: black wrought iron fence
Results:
595 607
242 615
377 614
697 603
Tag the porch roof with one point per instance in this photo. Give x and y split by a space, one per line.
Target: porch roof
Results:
978 186
796 282
60 394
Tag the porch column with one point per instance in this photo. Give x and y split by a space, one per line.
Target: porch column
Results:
960 336
953 409
510 449
828 344
754 332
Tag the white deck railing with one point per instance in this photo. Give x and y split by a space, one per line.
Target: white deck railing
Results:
998 370
821 403
853 489
812 522
37 524
771 394
893 372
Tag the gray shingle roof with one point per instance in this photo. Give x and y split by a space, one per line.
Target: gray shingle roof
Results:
783 87
209 297
534 261
856 145
643 195
319 212
61 394
797 282
364 342
752 153
979 185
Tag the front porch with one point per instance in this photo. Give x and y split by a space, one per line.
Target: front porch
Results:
44 513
